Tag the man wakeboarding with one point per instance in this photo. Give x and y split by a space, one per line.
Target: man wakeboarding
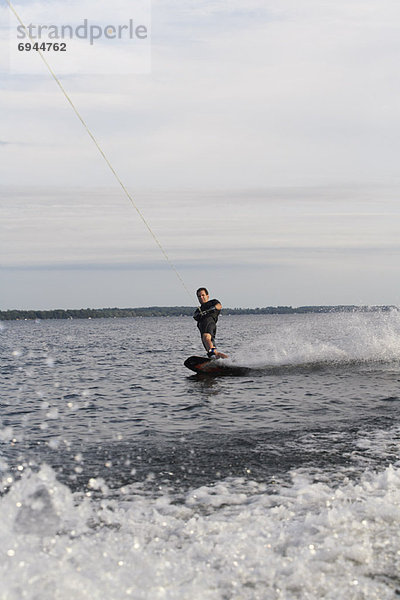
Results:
207 316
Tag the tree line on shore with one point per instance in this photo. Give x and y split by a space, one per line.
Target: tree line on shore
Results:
174 311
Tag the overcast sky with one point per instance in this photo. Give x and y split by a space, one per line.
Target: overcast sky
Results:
261 143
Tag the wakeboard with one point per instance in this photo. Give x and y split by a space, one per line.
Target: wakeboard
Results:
206 366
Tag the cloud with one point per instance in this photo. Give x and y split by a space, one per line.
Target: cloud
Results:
300 95
287 105
49 226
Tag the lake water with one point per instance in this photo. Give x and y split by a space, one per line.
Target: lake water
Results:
126 476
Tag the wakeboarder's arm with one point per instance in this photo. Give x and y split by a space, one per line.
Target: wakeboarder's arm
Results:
198 314
213 308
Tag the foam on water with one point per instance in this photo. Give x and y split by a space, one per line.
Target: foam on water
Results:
234 539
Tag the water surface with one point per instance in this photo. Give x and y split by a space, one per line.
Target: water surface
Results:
131 476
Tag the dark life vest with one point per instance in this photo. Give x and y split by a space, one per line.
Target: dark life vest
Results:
207 306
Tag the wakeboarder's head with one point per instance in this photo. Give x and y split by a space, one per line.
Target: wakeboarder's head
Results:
202 295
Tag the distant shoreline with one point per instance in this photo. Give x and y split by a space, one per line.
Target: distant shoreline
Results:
176 311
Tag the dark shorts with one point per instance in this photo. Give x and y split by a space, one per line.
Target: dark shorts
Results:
208 326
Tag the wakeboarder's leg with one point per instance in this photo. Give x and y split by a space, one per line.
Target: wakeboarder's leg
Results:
209 346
